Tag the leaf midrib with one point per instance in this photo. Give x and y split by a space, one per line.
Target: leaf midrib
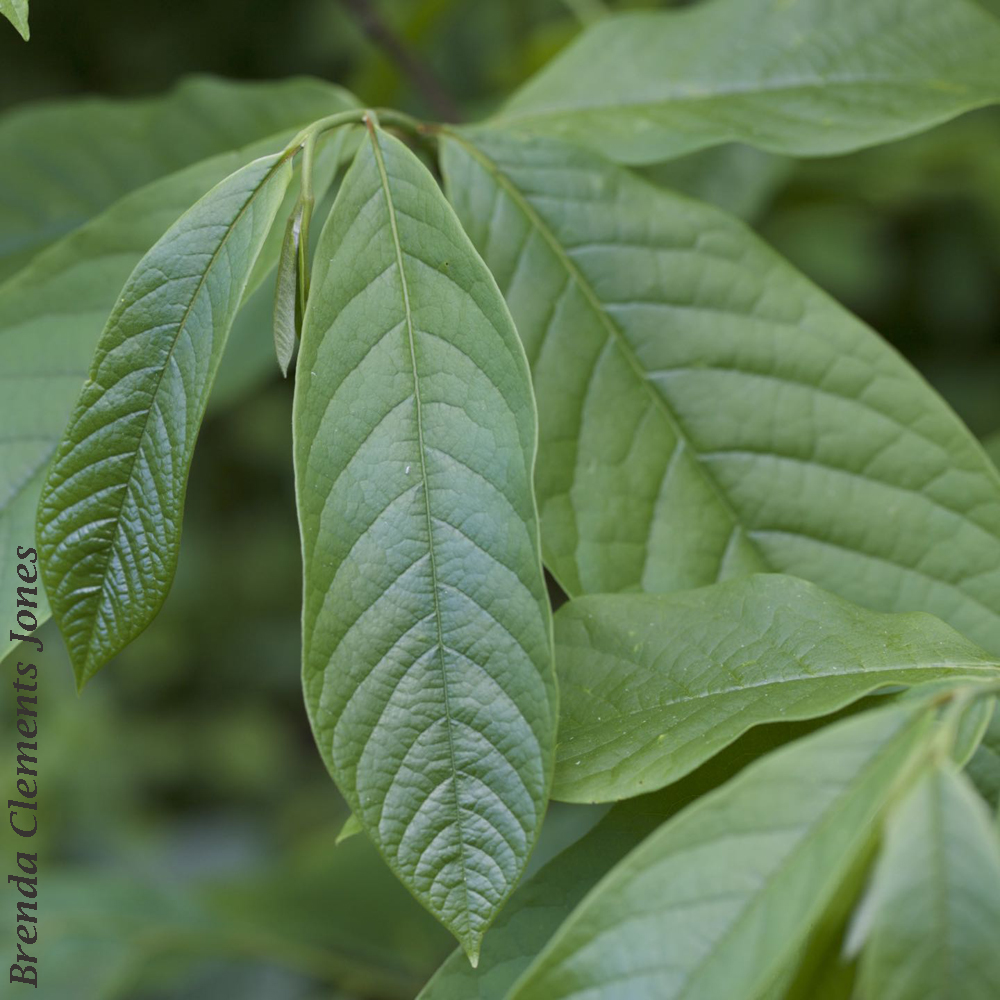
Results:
663 102
279 162
798 679
435 586
611 328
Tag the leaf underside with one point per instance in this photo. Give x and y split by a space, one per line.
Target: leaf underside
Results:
426 629
110 511
806 78
706 412
62 165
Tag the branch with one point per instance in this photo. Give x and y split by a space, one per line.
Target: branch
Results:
381 35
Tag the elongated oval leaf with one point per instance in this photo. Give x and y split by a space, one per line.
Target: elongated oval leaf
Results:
16 11
53 310
706 412
109 516
809 77
654 684
426 629
933 909
544 900
722 897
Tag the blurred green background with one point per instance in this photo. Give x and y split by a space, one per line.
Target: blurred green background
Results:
188 825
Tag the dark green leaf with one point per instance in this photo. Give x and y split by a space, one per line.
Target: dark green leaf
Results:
654 684
802 77
705 412
721 898
110 512
426 629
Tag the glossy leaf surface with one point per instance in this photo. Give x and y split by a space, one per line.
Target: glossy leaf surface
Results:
706 412
806 78
722 897
109 516
654 684
426 629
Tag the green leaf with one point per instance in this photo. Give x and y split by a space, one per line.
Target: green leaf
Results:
705 412
802 77
16 11
286 296
544 900
53 310
721 898
352 826
63 163
109 516
652 685
984 766
931 917
427 636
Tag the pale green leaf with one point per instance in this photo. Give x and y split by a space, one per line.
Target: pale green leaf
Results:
544 900
286 295
16 11
62 163
426 628
992 446
984 766
802 77
705 412
934 905
351 828
109 515
722 897
654 684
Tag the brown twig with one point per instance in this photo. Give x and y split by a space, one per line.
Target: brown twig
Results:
379 33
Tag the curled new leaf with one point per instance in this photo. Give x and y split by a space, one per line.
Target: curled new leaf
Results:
109 516
427 652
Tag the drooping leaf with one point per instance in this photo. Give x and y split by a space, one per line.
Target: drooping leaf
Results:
806 78
16 11
654 684
426 629
53 310
720 898
63 163
286 296
109 515
706 412
934 904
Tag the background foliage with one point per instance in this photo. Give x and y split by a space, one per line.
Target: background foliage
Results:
189 824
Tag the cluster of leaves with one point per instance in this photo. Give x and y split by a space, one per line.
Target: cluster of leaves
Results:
555 362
